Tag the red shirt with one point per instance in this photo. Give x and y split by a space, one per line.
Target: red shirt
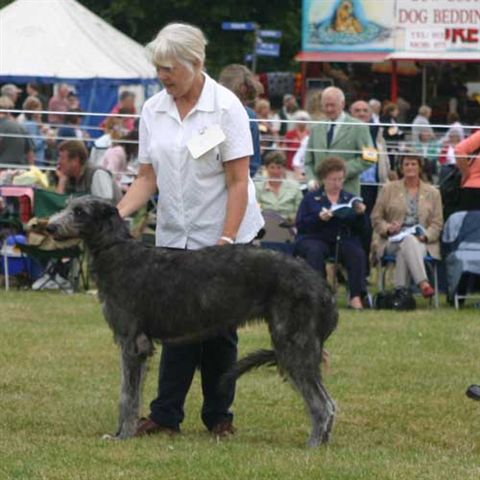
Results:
291 142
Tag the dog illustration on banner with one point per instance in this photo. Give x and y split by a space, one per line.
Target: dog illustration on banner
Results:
346 24
344 19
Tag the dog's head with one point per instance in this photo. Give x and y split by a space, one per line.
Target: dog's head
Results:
344 11
82 218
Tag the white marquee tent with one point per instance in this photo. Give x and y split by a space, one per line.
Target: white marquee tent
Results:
48 41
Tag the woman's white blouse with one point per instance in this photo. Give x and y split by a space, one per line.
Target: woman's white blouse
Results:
192 192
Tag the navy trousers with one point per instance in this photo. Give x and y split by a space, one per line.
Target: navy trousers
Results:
351 255
213 357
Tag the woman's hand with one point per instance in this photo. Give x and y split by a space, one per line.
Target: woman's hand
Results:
325 215
393 228
359 208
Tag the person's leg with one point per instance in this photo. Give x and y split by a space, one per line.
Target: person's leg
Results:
402 275
412 253
219 355
177 367
369 195
352 256
314 251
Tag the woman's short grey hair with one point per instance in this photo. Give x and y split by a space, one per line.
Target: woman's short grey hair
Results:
178 41
424 111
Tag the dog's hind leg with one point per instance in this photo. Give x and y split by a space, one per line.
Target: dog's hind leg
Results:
300 359
133 363
319 405
332 407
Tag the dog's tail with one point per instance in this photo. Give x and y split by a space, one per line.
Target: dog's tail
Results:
245 364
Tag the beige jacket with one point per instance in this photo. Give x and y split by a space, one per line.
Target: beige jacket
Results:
391 206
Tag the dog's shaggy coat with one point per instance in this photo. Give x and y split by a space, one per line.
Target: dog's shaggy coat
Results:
152 293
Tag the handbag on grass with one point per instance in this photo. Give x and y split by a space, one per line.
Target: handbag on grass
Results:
400 298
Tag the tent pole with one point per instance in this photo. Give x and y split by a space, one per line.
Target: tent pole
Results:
394 82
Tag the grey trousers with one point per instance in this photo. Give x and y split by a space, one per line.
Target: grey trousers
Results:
409 264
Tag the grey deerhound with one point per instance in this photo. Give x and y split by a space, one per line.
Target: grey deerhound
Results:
152 293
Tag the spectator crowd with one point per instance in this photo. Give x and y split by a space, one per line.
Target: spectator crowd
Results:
306 164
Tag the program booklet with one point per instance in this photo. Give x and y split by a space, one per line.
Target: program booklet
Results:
417 230
342 206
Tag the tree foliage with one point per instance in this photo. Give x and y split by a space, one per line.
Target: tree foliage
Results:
142 19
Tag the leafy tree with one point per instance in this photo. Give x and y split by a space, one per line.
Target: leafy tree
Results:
141 20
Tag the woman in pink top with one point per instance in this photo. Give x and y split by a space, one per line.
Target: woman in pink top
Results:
467 154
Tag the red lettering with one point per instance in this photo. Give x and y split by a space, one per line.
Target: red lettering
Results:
472 35
462 35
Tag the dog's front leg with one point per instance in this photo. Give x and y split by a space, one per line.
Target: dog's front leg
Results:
133 369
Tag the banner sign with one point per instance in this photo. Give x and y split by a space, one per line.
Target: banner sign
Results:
391 25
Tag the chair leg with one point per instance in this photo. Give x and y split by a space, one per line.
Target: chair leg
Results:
380 279
435 285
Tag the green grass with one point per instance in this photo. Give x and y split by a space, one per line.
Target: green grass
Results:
398 379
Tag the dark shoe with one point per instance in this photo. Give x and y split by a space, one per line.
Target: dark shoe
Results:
427 291
146 426
223 429
473 392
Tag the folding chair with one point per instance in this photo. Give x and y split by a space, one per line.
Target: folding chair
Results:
279 235
16 207
432 269
461 250
62 262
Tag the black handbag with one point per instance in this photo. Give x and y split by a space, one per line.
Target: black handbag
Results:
403 299
399 299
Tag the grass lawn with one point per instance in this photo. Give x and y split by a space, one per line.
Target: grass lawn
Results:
398 380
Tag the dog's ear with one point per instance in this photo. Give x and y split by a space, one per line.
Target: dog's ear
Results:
107 210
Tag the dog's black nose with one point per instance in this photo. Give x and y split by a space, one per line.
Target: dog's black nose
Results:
51 228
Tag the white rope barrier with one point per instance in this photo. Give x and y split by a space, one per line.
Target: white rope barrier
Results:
258 120
393 149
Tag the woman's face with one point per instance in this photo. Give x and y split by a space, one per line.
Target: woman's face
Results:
333 181
274 170
454 138
37 116
425 136
263 110
176 77
301 127
411 168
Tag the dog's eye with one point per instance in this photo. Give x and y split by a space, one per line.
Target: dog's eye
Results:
78 211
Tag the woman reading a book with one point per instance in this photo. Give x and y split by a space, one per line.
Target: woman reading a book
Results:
330 222
407 222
